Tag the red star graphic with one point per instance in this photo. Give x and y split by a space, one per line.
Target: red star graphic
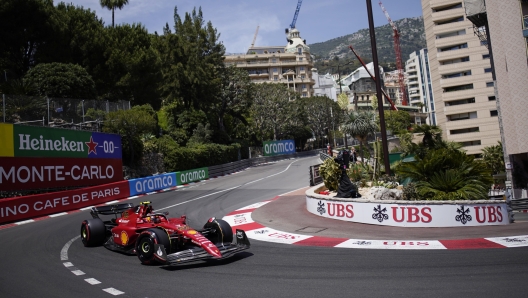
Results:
92 146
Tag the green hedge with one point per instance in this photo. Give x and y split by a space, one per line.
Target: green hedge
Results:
205 155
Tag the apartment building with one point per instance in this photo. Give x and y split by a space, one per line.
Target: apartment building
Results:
504 26
419 85
290 65
461 77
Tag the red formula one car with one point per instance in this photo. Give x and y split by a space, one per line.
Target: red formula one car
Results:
155 238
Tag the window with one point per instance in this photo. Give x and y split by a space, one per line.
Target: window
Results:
451 34
491 98
454 61
494 113
304 94
458 88
454 6
300 58
462 116
275 78
460 102
273 60
486 70
484 43
275 70
486 56
303 86
456 75
301 68
455 47
470 143
464 130
489 84
448 21
299 51
302 76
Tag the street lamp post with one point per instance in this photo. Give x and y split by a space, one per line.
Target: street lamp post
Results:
378 87
341 91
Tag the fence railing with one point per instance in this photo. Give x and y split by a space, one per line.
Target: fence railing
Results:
69 113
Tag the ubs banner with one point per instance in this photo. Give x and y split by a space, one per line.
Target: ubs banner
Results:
279 147
410 215
41 157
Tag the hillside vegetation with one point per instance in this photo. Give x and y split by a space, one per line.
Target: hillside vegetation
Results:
412 38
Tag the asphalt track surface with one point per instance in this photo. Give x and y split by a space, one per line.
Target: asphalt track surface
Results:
47 259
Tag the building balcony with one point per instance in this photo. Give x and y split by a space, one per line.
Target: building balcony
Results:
442 3
450 41
447 14
453 54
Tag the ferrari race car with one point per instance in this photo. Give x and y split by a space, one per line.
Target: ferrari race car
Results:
157 239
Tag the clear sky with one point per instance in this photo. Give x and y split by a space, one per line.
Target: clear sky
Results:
237 20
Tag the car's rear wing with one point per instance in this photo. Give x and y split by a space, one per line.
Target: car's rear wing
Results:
110 209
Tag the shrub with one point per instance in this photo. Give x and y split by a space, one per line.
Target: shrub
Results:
330 172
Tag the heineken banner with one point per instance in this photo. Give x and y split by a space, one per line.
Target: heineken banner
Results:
32 141
185 177
22 173
279 147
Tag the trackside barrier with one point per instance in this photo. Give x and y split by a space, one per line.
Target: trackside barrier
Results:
228 168
152 183
33 206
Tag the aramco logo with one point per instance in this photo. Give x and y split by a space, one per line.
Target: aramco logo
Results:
279 147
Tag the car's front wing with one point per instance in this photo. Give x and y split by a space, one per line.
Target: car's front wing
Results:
199 254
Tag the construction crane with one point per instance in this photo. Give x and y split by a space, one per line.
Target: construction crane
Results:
255 37
392 106
397 49
292 25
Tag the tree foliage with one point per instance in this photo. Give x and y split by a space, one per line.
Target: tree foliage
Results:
493 157
112 5
61 80
361 124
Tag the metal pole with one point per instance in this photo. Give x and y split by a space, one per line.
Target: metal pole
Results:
4 105
378 88
47 100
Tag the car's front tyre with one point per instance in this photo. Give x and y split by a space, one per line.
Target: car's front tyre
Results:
145 244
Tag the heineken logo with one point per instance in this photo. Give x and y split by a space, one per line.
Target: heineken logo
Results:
62 144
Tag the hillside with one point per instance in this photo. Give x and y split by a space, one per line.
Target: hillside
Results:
412 38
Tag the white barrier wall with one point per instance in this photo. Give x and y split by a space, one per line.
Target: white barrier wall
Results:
410 213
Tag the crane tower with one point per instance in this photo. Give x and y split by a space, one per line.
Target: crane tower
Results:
397 49
292 25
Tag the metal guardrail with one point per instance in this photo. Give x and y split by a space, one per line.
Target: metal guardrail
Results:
228 168
519 204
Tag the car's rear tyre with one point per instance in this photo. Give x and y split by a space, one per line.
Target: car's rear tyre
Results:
222 231
145 244
93 232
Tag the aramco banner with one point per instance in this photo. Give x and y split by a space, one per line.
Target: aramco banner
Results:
185 177
152 183
33 141
279 147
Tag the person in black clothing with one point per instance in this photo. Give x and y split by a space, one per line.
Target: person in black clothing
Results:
345 189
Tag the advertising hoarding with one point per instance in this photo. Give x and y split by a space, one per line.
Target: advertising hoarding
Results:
33 206
184 177
23 173
152 183
411 215
32 141
279 147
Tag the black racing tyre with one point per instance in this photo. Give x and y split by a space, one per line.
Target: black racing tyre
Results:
222 231
93 232
145 244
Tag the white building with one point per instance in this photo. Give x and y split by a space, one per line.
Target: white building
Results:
419 86
325 85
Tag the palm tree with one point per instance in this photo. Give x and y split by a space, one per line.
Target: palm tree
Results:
112 5
493 156
447 174
432 134
360 124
